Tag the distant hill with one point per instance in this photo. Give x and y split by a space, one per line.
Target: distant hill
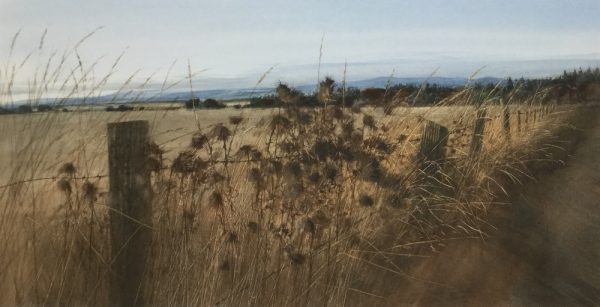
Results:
443 81
151 95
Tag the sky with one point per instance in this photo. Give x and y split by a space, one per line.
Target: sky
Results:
233 42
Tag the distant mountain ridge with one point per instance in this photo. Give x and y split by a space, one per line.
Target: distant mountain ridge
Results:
151 95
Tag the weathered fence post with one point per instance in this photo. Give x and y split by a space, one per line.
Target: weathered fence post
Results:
478 130
432 151
506 121
130 202
519 121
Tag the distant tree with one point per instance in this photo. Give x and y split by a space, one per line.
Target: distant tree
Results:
347 97
124 108
510 85
25 108
44 108
213 104
192 103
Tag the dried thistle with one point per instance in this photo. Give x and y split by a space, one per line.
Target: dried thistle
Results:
245 150
295 189
187 163
286 94
235 120
154 149
224 265
154 164
288 147
64 185
255 176
215 199
303 118
368 121
199 140
307 225
67 169
296 258
215 177
274 167
90 191
314 177
366 200
396 200
252 226
324 149
293 169
220 132
347 129
320 218
232 237
371 169
331 171
335 112
379 144
326 89
280 122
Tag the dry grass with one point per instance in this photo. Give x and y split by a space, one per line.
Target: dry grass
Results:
280 207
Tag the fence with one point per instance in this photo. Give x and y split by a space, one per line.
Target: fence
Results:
130 195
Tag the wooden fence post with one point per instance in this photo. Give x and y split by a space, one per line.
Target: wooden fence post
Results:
506 121
130 201
478 130
432 151
519 121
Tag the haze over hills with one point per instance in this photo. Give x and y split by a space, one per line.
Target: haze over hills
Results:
414 70
154 95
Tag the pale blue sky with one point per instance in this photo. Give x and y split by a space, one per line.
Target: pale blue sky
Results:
241 38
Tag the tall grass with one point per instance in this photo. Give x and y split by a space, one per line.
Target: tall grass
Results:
304 207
